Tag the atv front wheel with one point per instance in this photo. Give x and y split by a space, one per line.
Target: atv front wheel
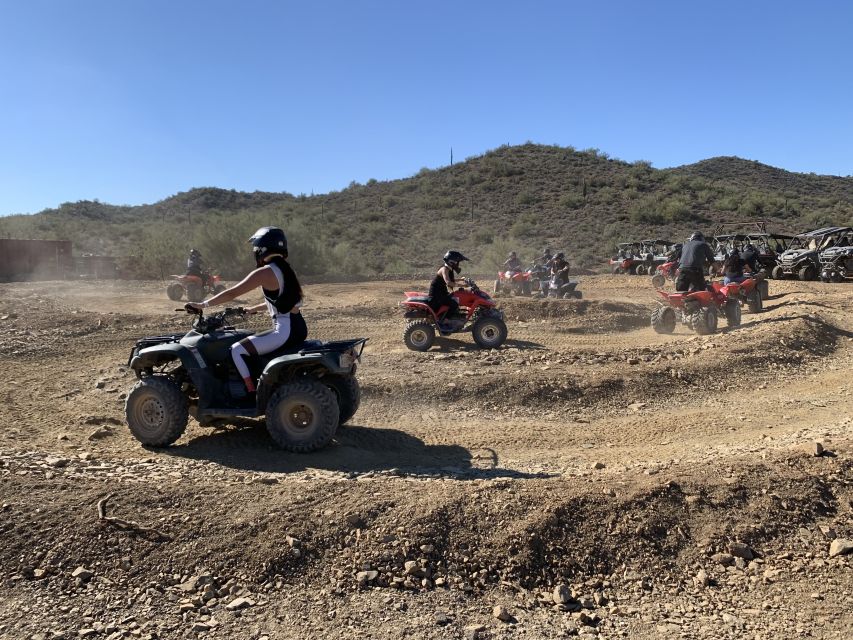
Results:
663 320
778 273
754 302
704 322
658 281
764 289
808 272
348 392
303 416
419 335
175 291
489 333
733 313
156 411
497 287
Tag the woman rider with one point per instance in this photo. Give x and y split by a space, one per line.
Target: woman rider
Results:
443 282
283 297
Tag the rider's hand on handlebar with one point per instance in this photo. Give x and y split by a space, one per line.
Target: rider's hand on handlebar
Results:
193 307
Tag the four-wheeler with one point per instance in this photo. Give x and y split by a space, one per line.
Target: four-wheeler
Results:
305 392
752 292
836 263
559 286
666 271
515 282
802 259
478 314
699 310
539 278
195 287
627 257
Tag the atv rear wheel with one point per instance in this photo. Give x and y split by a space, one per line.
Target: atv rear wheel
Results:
156 411
808 272
489 333
302 416
419 335
704 322
764 289
219 289
658 281
175 291
663 320
348 392
733 313
754 302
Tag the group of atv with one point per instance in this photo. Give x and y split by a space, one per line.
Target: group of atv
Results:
825 254
541 280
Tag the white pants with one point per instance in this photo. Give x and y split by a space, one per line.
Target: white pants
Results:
260 343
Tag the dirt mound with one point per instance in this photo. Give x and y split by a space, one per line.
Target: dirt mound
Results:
579 316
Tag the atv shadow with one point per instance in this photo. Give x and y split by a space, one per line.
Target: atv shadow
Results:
445 344
355 449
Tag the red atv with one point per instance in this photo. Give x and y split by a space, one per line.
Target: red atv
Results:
516 282
667 271
195 287
699 310
750 292
477 314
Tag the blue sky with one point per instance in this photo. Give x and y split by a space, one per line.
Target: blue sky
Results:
130 101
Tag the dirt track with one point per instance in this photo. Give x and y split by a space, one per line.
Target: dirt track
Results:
478 466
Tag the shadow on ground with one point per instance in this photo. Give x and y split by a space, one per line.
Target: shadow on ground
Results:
355 449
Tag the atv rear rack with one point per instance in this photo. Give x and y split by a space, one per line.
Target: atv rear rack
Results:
336 346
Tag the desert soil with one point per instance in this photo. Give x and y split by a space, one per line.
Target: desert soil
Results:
589 478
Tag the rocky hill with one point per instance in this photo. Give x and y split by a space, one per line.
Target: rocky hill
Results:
521 197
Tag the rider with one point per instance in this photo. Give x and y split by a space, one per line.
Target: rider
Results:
696 254
546 257
750 257
444 282
512 263
282 294
733 268
196 266
560 267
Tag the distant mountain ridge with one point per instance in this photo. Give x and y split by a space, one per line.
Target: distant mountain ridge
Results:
520 197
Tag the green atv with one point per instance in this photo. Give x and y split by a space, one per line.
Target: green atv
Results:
306 392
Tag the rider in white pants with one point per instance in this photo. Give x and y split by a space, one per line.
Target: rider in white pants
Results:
282 299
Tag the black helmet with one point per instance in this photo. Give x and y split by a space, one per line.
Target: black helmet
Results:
268 241
561 256
452 260
195 253
512 254
697 235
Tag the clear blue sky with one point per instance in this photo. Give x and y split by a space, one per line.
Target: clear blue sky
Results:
130 101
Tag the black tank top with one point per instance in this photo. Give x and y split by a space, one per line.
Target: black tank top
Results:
438 287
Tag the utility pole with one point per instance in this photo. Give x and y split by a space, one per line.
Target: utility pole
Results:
451 156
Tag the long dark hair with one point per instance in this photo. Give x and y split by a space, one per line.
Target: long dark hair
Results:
292 288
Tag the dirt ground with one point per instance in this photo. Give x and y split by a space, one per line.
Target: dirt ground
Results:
589 478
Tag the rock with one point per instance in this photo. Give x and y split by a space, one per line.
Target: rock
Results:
442 618
502 614
292 542
636 406
817 449
363 577
600 599
741 550
427 548
87 633
725 559
201 626
239 603
414 569
562 594
355 520
474 632
598 465
100 384
840 547
189 586
57 462
82 573
701 579
100 433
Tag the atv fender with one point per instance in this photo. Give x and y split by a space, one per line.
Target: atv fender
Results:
162 353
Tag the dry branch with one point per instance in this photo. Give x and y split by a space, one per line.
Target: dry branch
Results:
126 525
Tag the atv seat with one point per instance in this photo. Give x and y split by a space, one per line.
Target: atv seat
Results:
424 299
290 349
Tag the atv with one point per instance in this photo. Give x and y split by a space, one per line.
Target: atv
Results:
654 253
477 314
802 259
305 392
195 287
513 282
751 292
836 263
666 271
538 277
699 310
559 286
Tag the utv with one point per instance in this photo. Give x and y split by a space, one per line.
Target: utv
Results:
836 263
653 254
802 259
305 392
627 258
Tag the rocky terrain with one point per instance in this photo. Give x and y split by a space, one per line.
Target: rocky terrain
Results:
591 478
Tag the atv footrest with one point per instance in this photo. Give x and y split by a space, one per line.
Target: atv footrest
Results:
227 412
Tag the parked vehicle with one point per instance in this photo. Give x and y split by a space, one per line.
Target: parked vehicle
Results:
305 392
654 253
627 258
802 259
478 313
836 263
194 287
